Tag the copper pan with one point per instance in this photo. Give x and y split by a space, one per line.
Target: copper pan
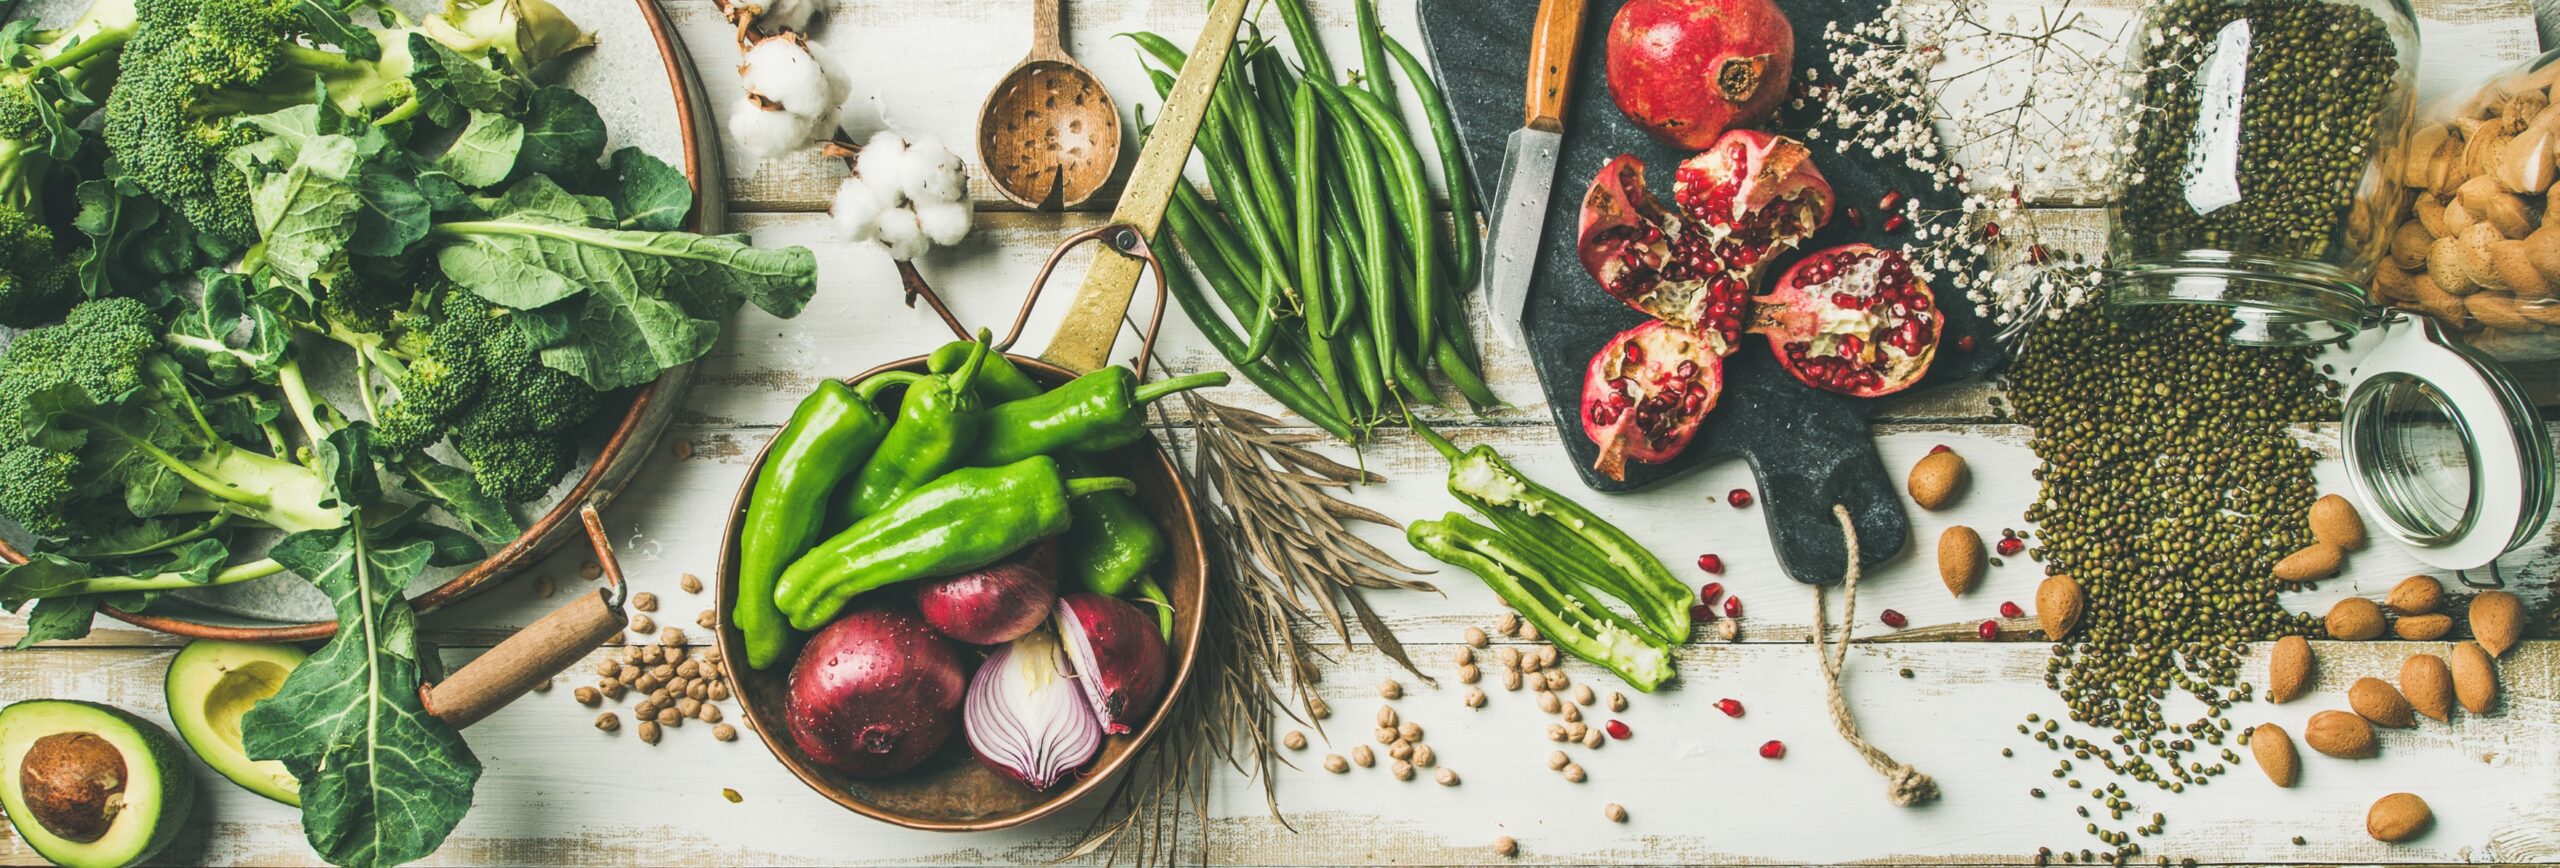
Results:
953 792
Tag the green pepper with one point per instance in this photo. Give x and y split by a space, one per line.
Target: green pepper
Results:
937 423
1520 580
965 519
829 436
1095 413
1154 593
1112 543
998 379
1584 549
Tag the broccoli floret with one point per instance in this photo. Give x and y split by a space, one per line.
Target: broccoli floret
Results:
198 66
107 430
479 382
47 86
36 283
514 467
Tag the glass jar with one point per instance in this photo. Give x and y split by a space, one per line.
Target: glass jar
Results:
2475 244
2255 177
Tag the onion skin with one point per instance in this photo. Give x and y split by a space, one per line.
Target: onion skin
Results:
1027 718
875 693
1116 655
994 604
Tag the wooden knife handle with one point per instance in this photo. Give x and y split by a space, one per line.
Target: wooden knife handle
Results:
1551 48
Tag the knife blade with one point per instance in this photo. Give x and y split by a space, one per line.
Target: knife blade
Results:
1528 173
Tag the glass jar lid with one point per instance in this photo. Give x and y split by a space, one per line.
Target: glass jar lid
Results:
2443 447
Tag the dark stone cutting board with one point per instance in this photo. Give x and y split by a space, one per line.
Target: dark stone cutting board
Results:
1809 449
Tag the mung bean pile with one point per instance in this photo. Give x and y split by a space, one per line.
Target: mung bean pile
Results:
2171 485
2317 78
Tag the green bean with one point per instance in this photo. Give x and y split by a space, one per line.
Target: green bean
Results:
1263 326
1310 44
1344 291
1467 248
1373 54
1409 376
1261 168
1462 373
1272 380
1160 48
1413 201
1311 286
1366 184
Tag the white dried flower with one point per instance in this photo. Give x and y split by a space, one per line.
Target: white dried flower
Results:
944 222
781 71
763 133
902 234
933 172
857 209
883 162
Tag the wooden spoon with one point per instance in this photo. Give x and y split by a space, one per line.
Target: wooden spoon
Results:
1049 134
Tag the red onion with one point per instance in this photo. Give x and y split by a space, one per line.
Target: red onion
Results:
875 693
1115 653
1026 717
994 604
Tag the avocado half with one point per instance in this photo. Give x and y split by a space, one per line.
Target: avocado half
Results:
211 684
90 786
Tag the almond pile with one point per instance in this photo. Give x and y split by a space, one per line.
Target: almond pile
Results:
2335 530
2477 247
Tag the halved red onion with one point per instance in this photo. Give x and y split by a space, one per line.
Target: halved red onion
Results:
1026 718
1115 653
995 603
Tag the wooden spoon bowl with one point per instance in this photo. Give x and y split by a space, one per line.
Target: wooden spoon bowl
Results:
1049 133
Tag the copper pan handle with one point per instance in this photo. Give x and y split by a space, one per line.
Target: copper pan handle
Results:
541 650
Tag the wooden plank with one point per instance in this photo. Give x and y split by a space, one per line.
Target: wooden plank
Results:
556 791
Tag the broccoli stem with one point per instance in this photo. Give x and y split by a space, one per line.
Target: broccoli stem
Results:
200 531
232 575
297 395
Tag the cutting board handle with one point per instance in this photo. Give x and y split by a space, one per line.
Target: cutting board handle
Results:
1796 501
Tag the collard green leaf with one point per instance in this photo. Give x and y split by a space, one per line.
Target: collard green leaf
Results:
306 210
57 619
44 575
647 193
451 547
116 461
226 339
459 494
394 213
563 135
484 154
452 86
382 781
331 24
135 247
348 459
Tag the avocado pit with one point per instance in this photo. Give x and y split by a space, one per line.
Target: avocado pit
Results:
74 784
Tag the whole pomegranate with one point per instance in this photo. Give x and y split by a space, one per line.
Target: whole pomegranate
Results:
1688 70
1645 393
1736 205
1852 319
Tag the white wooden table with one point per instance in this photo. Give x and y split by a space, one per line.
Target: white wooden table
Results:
558 791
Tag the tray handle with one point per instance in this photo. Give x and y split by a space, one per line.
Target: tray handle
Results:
542 649
1084 340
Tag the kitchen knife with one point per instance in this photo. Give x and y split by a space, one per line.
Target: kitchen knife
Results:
1529 169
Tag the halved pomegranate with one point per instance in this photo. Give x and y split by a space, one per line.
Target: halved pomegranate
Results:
1852 319
1738 204
1645 393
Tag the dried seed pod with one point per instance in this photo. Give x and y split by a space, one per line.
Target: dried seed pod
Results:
2398 817
2058 603
2334 521
2288 669
2423 628
2377 701
2340 734
2354 619
1936 479
2427 682
2274 749
2475 678
1960 558
2497 621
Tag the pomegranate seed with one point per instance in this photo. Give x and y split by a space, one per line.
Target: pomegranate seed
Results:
2039 254
1773 749
1731 707
1618 730
1933 450
1988 631
1856 220
1895 620
2010 545
1702 613
1895 223
1892 200
2011 610
1964 344
1733 607
1712 564
1991 231
1740 497
1708 592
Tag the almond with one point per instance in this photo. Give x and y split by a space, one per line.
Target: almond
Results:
2428 685
2415 595
2355 619
2398 817
2420 156
2500 311
2334 521
2274 749
2340 734
2432 298
2542 248
2514 264
1959 559
1935 480
2288 669
2409 244
2497 621
2376 700
2430 213
2392 281
2423 628
2447 265
2058 603
2475 678
2318 560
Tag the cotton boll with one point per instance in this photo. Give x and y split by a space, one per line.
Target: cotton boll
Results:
792 15
857 209
764 134
781 69
944 222
935 174
902 235
883 162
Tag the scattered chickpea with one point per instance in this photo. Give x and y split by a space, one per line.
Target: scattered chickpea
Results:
1556 760
1582 695
543 587
1571 712
689 669
644 601
1617 701
1555 732
708 713
1423 756
1318 709
1727 630
1411 731
1401 749
1508 656
1362 756
590 570
724 732
1576 730
682 450
1402 769
1547 656
1506 623
588 696
718 692
1528 631
1530 663
1615 812
1387 715
1556 679
692 584
707 619
663 672
612 688
1333 762
543 686
1295 740
669 717
1573 773
1475 697
1476 637
1510 679
1547 702
608 721
1448 777
1462 655
642 626
1386 735
1504 846
673 639
647 708
1468 674
608 668
1593 739
1389 689
649 731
